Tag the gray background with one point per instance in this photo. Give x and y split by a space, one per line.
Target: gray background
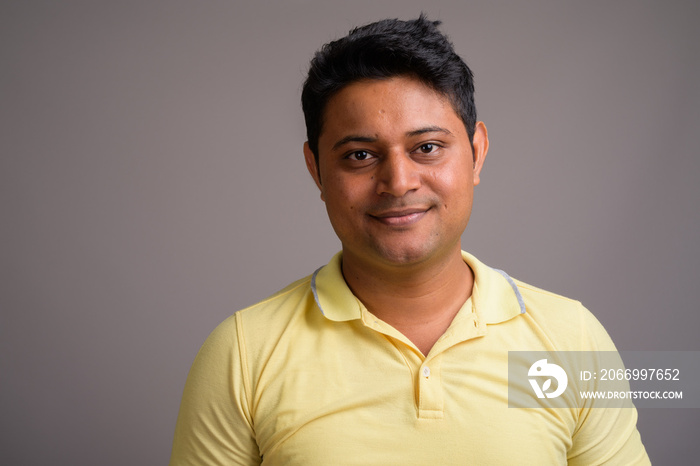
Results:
152 183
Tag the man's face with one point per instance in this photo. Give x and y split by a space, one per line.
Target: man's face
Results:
396 171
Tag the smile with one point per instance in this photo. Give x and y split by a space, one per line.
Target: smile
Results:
403 217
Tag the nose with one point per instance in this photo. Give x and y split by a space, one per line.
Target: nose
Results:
397 175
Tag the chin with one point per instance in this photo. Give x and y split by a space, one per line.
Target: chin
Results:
397 255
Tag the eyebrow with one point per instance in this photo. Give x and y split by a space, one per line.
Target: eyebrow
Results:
429 129
416 132
353 138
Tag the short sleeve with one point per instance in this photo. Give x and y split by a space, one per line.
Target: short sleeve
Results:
214 425
604 435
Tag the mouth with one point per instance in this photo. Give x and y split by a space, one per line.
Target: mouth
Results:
400 217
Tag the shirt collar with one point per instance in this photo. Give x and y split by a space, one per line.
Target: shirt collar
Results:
495 296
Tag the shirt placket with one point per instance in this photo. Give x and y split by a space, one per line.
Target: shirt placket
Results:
429 389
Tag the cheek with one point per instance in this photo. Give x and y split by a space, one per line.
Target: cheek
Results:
455 190
340 204
450 183
344 193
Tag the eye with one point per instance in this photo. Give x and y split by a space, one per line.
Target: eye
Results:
359 155
427 148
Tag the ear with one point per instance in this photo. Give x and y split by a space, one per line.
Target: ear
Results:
481 148
312 167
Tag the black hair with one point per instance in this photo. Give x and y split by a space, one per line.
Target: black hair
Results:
386 49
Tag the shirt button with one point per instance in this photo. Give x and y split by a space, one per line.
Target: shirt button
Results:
426 372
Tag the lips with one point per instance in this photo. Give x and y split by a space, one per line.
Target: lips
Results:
400 217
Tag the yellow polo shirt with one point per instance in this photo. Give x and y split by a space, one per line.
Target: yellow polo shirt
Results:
310 377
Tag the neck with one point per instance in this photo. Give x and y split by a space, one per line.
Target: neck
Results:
420 300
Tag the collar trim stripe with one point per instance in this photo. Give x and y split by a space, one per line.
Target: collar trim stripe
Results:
512 284
313 289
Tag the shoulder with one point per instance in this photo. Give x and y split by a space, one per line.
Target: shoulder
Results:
270 315
543 299
279 305
216 420
566 320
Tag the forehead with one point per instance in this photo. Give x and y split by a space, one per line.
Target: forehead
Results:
383 106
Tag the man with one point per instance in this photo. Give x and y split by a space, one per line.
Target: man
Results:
396 352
